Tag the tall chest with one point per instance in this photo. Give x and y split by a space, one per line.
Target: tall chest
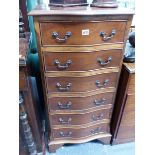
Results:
81 52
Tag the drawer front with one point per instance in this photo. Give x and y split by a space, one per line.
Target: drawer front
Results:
81 84
82 33
75 119
22 81
80 103
66 133
82 61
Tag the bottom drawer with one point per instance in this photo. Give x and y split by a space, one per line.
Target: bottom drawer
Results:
70 133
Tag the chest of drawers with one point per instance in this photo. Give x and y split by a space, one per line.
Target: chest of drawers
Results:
81 51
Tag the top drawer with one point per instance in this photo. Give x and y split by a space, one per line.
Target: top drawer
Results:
81 33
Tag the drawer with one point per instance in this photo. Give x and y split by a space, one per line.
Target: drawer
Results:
80 103
22 81
62 133
81 84
75 119
82 33
82 61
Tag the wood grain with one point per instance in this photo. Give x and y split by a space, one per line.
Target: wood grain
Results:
82 140
84 111
82 48
82 61
76 29
79 103
78 47
81 84
123 119
81 94
80 132
76 118
81 73
106 121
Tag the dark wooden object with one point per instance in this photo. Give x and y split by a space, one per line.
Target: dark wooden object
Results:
123 119
104 3
27 87
81 55
23 8
25 127
65 3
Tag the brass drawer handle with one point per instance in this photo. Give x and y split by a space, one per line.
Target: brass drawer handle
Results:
97 130
62 67
97 117
104 62
62 134
105 83
105 37
55 35
100 102
60 88
62 121
64 106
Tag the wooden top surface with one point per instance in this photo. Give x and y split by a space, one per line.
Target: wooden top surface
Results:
78 10
130 67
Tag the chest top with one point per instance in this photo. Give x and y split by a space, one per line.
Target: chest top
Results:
78 11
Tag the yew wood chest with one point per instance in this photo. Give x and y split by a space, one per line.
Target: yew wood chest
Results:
81 52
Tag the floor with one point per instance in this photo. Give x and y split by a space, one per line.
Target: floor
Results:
96 148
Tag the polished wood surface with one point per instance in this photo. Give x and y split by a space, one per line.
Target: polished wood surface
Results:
105 121
130 67
43 10
69 133
82 48
82 61
86 33
81 94
82 73
105 138
79 81
75 119
131 88
79 103
126 132
81 84
123 119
